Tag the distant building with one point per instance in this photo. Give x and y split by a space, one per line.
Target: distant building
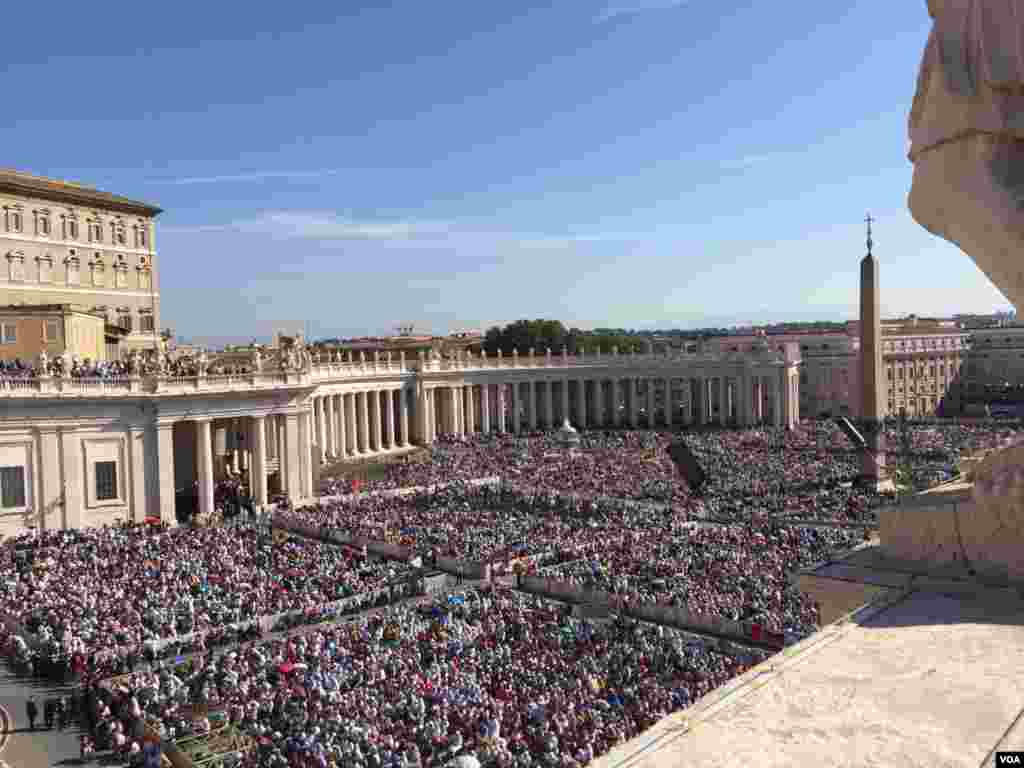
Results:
26 331
62 243
411 344
922 360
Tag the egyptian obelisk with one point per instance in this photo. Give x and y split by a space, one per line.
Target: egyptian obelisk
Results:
872 382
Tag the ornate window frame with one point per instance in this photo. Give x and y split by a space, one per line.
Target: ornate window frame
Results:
14 218
120 271
69 225
16 266
44 261
97 269
43 222
72 264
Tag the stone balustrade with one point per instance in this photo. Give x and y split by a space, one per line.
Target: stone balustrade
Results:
327 372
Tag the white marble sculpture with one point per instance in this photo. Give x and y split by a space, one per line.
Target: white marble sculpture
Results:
967 135
967 146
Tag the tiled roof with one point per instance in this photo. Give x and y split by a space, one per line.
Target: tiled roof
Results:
21 183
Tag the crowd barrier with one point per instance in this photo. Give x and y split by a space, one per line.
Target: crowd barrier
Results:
668 615
492 480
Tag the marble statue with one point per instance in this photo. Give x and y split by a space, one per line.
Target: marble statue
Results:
257 361
203 363
44 363
967 145
967 136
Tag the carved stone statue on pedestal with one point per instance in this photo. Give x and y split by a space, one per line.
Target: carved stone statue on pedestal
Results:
967 146
967 136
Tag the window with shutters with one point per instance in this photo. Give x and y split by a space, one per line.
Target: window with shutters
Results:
12 487
106 480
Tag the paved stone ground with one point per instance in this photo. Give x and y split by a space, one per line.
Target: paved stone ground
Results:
40 748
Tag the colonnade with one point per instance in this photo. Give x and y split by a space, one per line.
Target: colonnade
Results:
751 397
361 423
265 446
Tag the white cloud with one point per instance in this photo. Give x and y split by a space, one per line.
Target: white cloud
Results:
319 225
328 226
617 10
248 177
562 241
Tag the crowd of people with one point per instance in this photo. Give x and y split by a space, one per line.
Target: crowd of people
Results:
807 472
509 679
97 596
496 673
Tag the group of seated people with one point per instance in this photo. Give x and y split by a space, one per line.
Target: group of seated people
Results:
96 593
500 674
806 471
508 679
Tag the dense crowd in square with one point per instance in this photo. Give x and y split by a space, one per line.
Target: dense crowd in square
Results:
505 676
94 596
510 679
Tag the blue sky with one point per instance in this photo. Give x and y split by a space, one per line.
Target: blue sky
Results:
349 166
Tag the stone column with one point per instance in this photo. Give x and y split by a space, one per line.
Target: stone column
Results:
204 466
165 503
330 429
485 408
650 402
549 404
366 445
258 473
634 403
697 401
320 424
432 415
723 411
292 449
777 404
740 383
581 403
389 420
469 393
403 416
337 411
728 387
452 424
50 506
531 404
378 421
517 398
282 453
136 480
565 399
351 430
668 403
306 454
501 393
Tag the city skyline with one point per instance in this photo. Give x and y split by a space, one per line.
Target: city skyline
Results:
650 164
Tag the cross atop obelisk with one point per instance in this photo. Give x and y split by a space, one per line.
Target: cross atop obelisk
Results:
871 242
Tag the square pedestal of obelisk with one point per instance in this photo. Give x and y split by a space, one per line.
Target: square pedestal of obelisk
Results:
873 473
